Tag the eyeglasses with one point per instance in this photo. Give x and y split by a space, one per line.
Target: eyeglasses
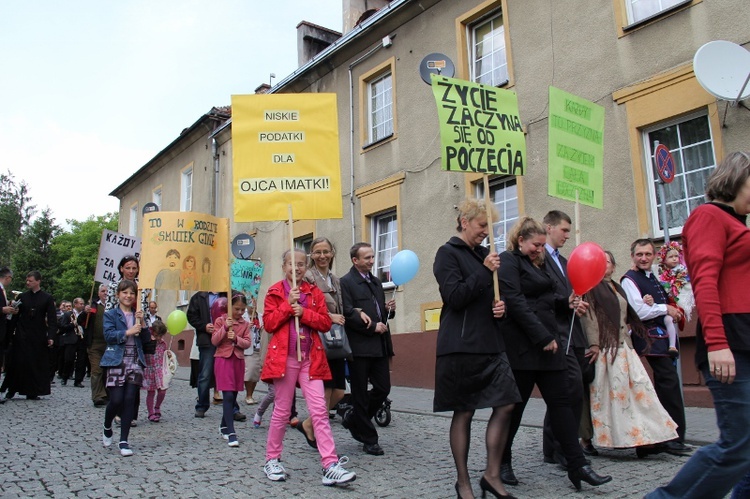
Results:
322 253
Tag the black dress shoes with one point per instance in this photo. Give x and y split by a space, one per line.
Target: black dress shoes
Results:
589 450
374 449
649 450
507 475
588 475
677 448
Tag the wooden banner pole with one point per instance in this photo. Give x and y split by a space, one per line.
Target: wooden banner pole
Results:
488 204
294 278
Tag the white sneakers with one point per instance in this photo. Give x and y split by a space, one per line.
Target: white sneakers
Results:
274 470
125 449
250 400
335 474
106 440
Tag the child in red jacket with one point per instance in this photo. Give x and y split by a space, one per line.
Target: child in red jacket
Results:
293 314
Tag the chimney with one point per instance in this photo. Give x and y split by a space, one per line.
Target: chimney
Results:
312 40
356 11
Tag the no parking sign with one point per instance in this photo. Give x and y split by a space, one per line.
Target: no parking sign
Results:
664 163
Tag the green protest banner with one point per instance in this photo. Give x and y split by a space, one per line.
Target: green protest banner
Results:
480 130
576 148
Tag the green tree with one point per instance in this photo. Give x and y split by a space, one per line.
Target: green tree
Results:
34 252
76 252
16 211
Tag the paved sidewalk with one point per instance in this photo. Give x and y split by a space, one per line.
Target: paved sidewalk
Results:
52 448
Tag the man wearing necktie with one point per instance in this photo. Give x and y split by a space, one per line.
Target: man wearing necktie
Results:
557 224
640 282
366 314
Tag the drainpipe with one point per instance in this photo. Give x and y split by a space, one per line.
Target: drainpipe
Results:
215 187
386 42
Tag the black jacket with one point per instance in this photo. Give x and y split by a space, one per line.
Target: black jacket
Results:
531 304
67 329
564 289
466 321
4 334
357 293
199 316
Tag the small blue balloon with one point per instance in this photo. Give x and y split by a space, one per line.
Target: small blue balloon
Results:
404 267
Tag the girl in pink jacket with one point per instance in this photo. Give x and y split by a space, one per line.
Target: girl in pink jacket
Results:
231 337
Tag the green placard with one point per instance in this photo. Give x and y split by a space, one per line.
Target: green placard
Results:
480 130
576 148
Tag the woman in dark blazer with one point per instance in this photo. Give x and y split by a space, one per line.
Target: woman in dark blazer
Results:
472 370
532 338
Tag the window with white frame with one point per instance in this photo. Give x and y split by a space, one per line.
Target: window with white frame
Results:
641 10
380 97
156 197
186 190
385 244
133 229
487 51
504 195
691 144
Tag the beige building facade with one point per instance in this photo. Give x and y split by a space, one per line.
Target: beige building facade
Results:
634 58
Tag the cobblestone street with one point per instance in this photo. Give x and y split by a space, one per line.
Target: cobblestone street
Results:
52 447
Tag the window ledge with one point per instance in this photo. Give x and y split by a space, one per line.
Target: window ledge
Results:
650 18
378 142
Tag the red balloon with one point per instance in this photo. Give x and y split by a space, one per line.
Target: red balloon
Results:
219 308
586 267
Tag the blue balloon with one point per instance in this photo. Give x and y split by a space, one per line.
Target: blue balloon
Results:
404 267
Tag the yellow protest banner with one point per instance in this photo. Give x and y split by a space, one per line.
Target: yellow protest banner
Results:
184 250
285 152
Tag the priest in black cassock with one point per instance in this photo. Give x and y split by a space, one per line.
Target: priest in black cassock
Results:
35 328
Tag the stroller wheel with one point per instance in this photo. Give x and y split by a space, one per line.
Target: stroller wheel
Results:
383 416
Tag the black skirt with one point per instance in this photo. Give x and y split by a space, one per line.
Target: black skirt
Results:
465 382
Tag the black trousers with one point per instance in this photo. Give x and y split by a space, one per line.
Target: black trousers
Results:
366 403
574 359
554 388
669 391
74 360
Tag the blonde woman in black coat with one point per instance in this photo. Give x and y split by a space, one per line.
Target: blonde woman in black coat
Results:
472 370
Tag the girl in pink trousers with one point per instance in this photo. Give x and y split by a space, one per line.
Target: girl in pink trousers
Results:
284 368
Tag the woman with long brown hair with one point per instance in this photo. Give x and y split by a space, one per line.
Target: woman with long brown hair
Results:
625 411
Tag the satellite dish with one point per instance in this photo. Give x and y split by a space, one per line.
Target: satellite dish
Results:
436 63
723 69
243 246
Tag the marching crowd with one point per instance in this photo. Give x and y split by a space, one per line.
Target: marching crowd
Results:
583 353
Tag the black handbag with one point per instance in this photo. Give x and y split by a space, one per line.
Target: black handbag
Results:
335 343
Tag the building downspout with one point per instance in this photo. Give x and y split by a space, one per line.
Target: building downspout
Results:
215 187
386 42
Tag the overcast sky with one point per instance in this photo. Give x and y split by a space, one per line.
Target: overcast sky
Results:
90 90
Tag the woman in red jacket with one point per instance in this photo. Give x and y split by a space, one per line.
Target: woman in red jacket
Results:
297 356
716 241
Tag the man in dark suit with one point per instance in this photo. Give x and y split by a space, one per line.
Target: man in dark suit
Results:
6 276
558 225
367 314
